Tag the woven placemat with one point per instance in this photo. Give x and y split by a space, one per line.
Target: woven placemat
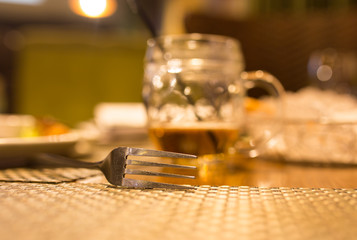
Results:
46 175
100 211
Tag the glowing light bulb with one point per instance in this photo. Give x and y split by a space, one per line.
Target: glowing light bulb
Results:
93 8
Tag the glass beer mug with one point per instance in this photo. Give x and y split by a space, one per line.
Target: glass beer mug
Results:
194 91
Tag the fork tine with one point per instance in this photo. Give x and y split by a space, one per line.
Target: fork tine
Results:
156 164
157 153
159 174
127 182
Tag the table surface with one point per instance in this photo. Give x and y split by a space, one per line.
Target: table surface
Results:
259 172
255 199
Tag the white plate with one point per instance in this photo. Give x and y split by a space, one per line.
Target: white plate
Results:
23 147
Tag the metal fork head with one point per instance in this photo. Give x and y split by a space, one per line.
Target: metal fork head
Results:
115 168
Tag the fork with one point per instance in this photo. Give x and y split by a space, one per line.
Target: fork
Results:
114 166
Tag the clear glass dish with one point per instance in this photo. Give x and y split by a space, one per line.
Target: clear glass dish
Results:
315 142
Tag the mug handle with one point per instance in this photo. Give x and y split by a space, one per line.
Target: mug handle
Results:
253 146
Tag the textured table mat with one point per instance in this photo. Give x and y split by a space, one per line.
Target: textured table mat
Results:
99 211
46 175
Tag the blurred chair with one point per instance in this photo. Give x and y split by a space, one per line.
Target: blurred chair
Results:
282 44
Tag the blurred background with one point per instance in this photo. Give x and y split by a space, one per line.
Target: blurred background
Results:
61 58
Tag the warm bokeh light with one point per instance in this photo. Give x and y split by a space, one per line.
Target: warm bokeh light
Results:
93 8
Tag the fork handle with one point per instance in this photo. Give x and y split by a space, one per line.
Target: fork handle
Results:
62 161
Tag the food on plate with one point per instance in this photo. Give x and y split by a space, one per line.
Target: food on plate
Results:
20 125
45 126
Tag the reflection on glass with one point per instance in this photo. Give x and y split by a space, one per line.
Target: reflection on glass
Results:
333 69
